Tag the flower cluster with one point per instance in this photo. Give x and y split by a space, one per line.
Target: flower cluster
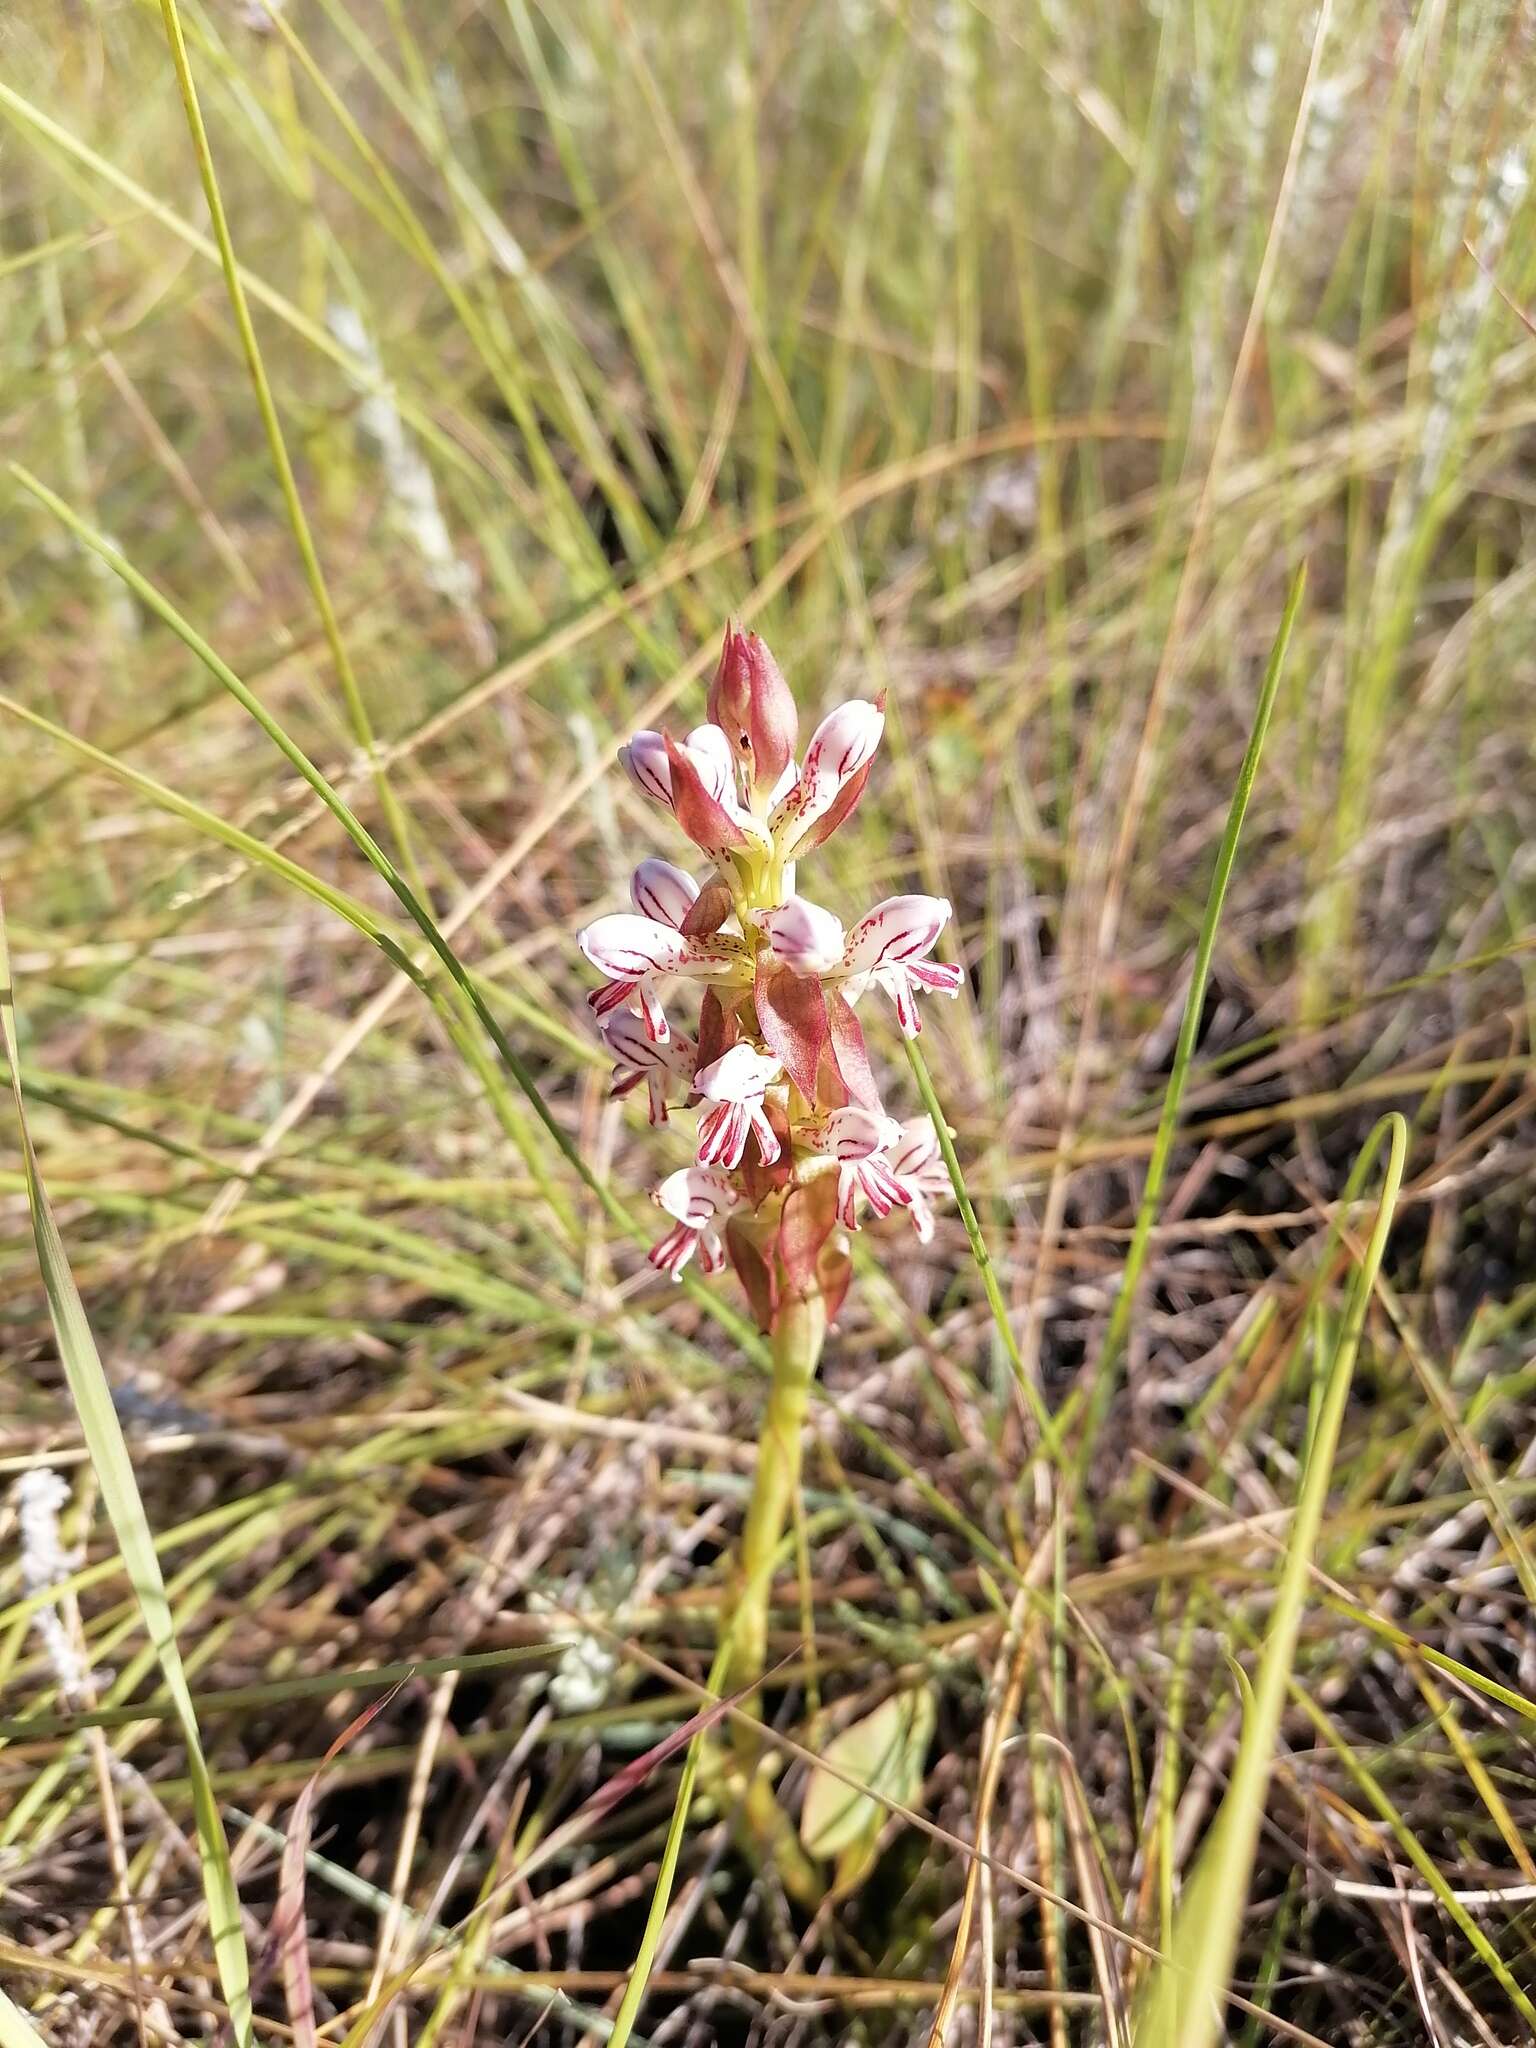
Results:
792 1135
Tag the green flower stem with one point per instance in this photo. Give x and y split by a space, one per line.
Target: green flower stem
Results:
798 1336
739 1660
797 1340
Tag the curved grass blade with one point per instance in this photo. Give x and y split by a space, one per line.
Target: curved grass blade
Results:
92 1396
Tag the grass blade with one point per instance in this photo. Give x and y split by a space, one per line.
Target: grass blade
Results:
1189 1027
103 1432
1184 2003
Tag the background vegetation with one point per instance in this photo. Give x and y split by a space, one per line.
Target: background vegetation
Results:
1007 357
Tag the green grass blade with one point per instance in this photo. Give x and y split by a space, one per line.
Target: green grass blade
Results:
1184 2004
250 348
103 1433
1189 1027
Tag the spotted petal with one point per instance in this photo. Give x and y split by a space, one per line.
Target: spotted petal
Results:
624 946
839 754
901 929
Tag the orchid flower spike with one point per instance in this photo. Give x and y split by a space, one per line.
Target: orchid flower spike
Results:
697 1198
793 1144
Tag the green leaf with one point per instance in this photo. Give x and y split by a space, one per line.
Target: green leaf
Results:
92 1396
886 1752
16 2030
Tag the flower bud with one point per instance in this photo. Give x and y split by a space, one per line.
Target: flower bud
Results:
751 703
663 892
645 760
803 936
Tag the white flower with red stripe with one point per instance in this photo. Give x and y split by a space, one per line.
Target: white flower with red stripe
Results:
890 947
649 762
857 1140
734 1086
637 1057
698 1198
696 780
917 1166
635 952
804 937
831 779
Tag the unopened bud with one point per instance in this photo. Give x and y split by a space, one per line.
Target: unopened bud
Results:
753 706
803 936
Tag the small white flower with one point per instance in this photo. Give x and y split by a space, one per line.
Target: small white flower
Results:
638 1057
917 1165
697 1197
632 952
803 936
735 1084
841 749
856 1139
707 751
890 947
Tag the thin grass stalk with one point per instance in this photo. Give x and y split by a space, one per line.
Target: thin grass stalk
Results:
1029 1393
